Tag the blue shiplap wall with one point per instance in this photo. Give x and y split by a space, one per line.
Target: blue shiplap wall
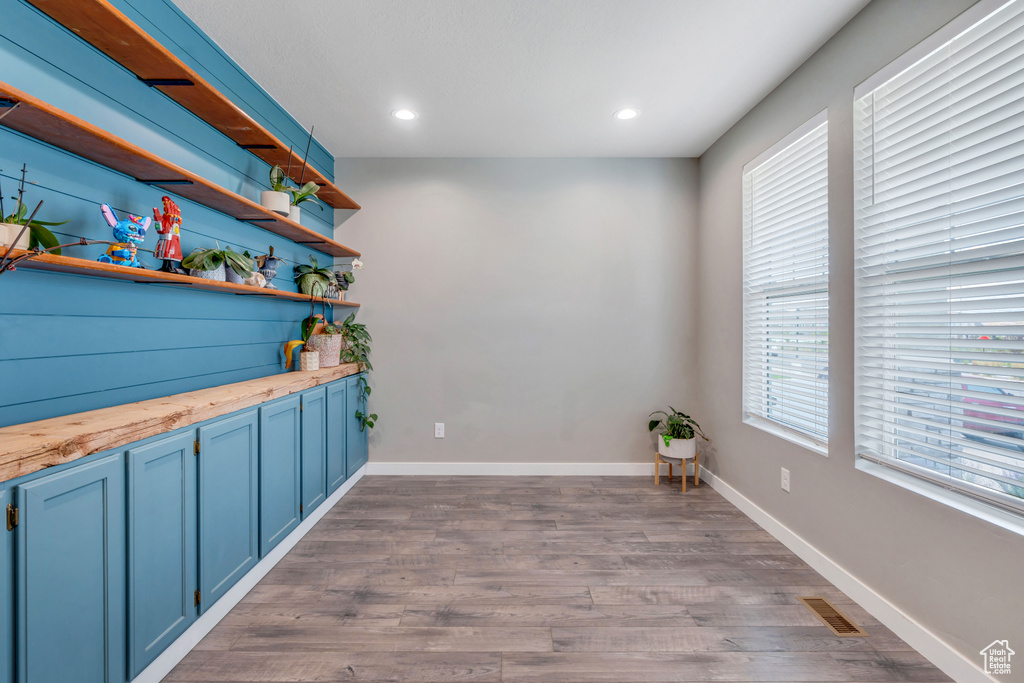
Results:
70 343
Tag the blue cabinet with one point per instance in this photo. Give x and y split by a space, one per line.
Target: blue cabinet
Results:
314 449
279 471
161 545
6 595
70 575
357 451
228 504
337 472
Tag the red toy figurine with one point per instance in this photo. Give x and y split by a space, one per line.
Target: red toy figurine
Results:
169 229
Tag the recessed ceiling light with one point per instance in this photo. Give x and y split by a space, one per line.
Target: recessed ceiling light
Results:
627 114
404 114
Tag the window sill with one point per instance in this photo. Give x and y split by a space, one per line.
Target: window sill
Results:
975 508
783 433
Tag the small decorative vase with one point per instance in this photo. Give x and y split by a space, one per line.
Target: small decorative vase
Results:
309 360
232 276
329 346
269 270
294 213
9 233
217 273
278 202
332 292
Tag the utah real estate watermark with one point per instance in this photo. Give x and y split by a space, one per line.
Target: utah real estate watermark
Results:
997 658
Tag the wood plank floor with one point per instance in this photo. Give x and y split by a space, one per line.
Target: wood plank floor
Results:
541 579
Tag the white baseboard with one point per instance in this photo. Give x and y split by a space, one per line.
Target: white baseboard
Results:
517 469
169 658
937 651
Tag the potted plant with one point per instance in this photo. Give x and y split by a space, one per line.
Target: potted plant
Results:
306 193
239 266
277 198
309 357
207 264
13 232
356 349
328 343
313 280
677 436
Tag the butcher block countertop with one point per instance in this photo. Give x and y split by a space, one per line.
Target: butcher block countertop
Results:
35 446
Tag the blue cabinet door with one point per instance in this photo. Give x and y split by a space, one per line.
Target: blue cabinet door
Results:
6 596
357 452
70 575
229 540
161 545
279 471
314 449
337 472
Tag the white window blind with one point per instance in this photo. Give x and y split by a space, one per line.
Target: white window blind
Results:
939 224
785 287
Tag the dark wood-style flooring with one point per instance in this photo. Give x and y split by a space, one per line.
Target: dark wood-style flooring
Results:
541 579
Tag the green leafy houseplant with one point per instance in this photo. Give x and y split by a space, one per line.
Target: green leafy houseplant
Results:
675 425
279 180
213 257
357 350
313 280
306 193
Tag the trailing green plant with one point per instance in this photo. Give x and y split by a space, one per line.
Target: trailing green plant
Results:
313 280
365 421
675 425
39 235
357 350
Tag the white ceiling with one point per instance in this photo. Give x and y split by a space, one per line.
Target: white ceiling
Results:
519 77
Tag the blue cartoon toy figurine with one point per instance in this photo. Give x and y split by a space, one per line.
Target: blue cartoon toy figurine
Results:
129 234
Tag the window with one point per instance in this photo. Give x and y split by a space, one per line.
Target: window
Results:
785 287
939 224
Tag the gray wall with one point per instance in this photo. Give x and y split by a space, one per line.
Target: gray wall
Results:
540 308
956 575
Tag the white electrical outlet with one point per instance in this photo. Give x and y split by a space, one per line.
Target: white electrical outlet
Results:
785 480
439 430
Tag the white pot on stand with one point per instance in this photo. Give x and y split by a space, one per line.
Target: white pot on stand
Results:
278 202
680 449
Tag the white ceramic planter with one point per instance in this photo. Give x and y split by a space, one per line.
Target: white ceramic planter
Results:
680 449
309 360
278 202
217 274
9 233
294 212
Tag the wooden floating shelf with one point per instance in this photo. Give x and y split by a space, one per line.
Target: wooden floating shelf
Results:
79 266
111 32
34 446
29 115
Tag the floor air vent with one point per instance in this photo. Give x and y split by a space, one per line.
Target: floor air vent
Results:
837 622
